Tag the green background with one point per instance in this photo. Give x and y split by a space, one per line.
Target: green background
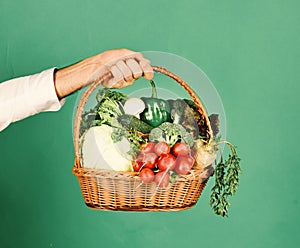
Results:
249 49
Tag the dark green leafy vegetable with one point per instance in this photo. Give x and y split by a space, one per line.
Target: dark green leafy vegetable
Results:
226 182
176 110
214 122
182 114
201 122
89 120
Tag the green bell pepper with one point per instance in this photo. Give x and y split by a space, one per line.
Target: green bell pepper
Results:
156 110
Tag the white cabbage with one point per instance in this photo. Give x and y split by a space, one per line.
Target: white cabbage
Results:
98 151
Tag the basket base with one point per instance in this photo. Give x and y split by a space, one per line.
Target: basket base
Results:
122 192
141 209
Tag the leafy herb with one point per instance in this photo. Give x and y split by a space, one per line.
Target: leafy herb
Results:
135 142
226 181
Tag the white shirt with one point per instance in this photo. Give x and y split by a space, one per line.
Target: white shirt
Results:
26 96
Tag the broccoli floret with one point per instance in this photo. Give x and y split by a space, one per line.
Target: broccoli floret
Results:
156 134
171 133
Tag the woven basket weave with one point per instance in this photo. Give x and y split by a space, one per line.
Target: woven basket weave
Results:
111 190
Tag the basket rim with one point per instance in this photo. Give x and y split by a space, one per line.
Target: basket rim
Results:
82 171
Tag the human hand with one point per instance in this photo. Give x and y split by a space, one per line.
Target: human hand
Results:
124 65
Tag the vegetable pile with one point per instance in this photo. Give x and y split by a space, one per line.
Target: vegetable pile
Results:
159 139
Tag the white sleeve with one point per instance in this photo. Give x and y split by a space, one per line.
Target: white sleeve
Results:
26 96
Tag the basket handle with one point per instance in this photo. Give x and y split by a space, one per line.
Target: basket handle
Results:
107 76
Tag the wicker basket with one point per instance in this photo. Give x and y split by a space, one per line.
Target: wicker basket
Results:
111 190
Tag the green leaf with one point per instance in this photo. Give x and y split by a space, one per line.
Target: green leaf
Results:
226 182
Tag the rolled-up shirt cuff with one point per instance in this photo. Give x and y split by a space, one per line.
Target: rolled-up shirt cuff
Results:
42 91
26 96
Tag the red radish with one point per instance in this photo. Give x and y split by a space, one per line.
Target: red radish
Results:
166 162
184 164
147 175
148 159
137 165
189 158
161 148
181 148
148 147
162 179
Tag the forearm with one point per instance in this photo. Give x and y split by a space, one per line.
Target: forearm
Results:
124 66
72 78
